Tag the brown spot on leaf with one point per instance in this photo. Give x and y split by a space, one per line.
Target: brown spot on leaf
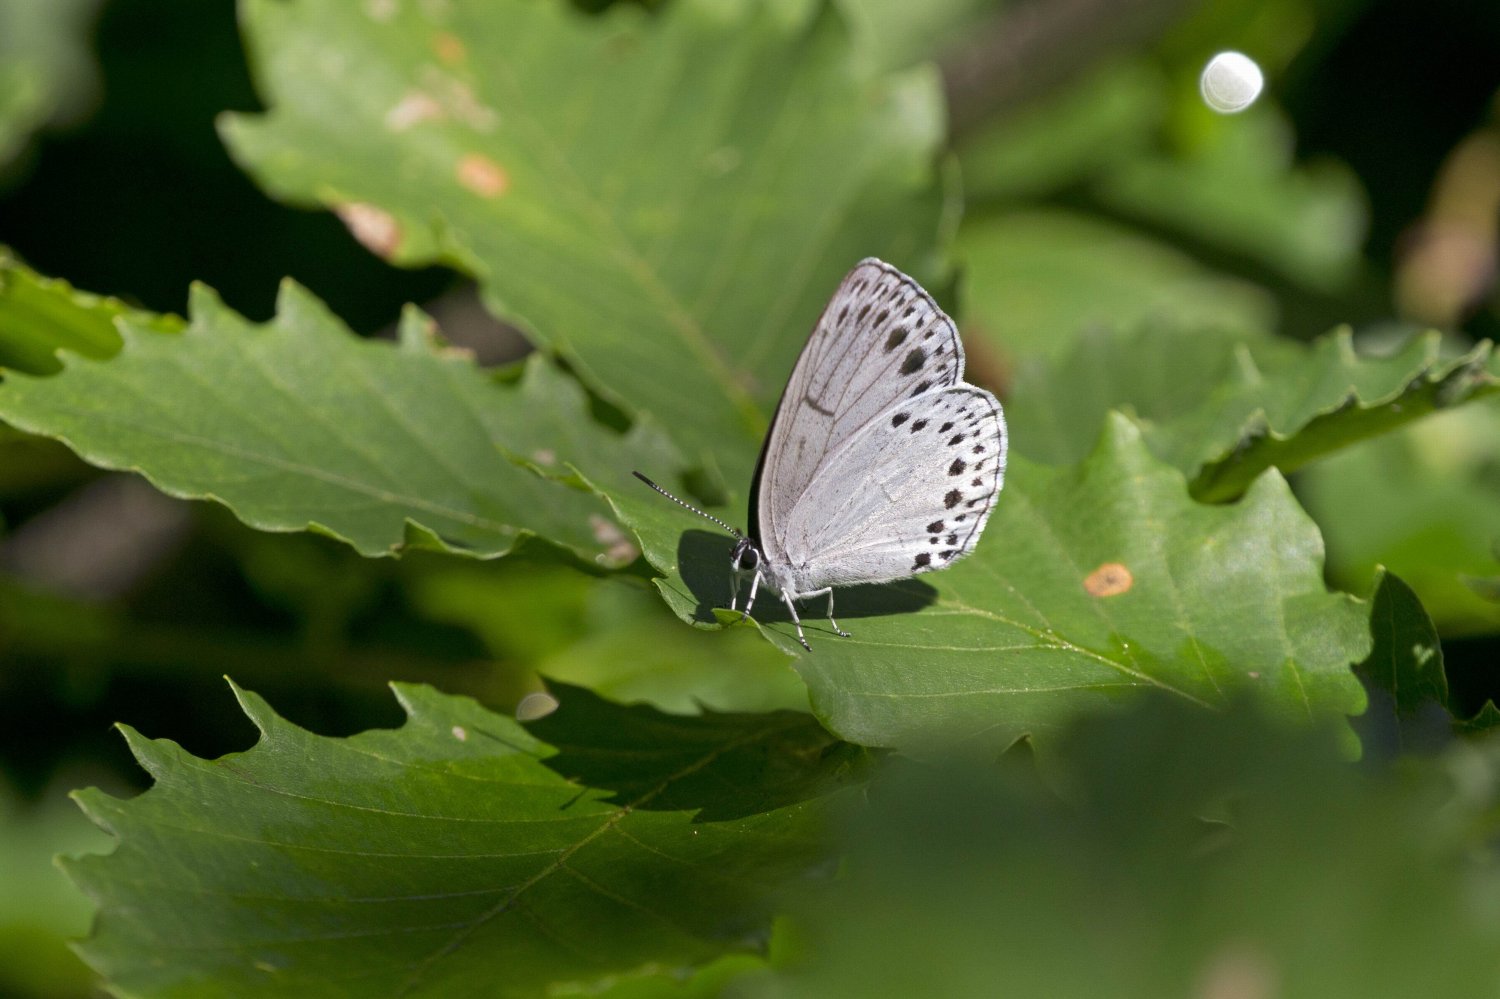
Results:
374 227
482 175
1109 580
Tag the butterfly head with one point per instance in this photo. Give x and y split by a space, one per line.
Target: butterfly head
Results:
746 556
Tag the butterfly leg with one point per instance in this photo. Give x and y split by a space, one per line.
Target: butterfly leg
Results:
836 629
792 608
828 592
754 585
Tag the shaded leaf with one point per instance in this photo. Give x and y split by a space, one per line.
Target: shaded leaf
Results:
1407 660
1404 670
440 858
1106 115
1223 409
1235 187
297 424
1092 583
670 222
1436 518
46 72
40 316
609 633
757 762
39 910
1305 885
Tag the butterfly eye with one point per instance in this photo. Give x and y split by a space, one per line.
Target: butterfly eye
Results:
745 556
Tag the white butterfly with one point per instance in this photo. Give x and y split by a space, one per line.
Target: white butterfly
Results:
881 462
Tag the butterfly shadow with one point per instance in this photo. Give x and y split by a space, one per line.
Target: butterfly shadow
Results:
703 560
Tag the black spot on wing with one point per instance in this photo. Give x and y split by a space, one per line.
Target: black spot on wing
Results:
896 339
922 562
899 419
936 527
914 361
952 499
918 425
957 468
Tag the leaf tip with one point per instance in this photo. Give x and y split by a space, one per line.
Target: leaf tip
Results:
204 303
255 707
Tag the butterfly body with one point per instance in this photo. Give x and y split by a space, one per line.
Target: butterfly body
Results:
881 462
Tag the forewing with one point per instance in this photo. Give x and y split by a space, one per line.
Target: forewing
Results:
881 340
909 493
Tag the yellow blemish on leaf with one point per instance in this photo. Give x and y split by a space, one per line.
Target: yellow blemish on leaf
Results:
1109 580
448 48
375 227
482 175
460 733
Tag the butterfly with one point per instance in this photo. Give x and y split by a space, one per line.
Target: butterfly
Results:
881 462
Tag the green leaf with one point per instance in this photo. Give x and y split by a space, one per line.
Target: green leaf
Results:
1232 184
1404 669
1307 882
297 424
1092 583
445 857
1107 115
46 71
1433 520
611 634
1037 279
39 910
671 222
759 762
894 33
40 316
1407 660
1223 409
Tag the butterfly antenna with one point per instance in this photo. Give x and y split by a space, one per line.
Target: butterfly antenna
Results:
689 506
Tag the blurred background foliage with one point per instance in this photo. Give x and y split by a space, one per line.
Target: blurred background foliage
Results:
1099 191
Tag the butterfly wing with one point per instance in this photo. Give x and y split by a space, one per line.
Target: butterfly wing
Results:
855 466
926 476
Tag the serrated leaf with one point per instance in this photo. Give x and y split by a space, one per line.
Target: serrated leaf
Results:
761 762
297 424
1436 520
442 858
40 316
670 221
1092 584
1223 409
